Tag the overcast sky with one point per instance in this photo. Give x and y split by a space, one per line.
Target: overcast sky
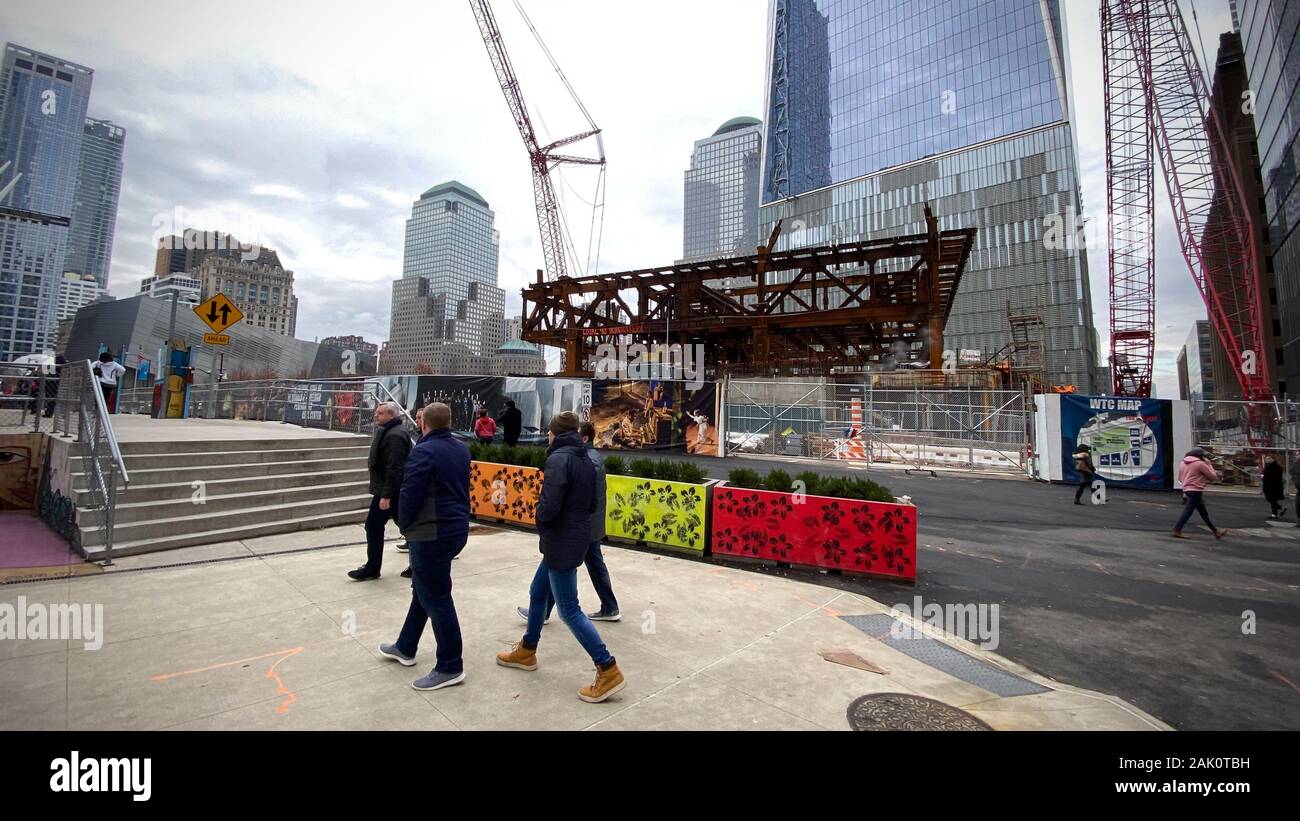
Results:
314 125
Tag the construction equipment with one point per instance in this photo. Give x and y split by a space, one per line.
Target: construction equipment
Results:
1157 102
543 158
1024 358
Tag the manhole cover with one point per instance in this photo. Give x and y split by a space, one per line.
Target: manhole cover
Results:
900 711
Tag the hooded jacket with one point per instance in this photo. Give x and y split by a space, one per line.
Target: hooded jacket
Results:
1194 473
567 503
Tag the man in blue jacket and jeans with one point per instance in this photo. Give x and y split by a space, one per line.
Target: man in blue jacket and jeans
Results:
433 515
564 514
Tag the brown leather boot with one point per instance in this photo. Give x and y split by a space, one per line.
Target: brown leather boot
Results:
519 657
608 682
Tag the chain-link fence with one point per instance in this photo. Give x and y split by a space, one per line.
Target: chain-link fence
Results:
848 419
1239 435
40 396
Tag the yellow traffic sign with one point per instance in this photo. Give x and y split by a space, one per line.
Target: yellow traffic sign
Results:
219 312
216 339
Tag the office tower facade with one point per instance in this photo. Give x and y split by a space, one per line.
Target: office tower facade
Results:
448 296
94 214
1272 54
263 292
351 343
75 290
720 202
43 103
186 288
1196 363
1226 97
876 109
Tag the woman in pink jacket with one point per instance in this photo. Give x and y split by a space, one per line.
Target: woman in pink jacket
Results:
1193 474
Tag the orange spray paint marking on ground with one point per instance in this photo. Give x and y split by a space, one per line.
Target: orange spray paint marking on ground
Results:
278 655
291 696
1285 680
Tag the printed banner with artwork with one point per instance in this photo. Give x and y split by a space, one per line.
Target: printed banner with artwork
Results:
1131 439
655 415
540 398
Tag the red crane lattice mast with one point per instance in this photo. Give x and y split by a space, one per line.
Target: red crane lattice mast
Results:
1157 102
542 158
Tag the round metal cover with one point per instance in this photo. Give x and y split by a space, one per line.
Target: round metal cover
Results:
901 711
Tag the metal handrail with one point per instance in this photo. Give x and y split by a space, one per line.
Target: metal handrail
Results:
101 409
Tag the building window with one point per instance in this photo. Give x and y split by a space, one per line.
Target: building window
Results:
266 294
239 291
275 296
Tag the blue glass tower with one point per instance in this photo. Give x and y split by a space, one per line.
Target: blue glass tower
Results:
879 107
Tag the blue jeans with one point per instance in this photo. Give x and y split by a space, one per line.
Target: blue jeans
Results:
431 602
562 586
599 574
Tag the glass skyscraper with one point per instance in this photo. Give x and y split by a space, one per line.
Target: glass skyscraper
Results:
94 216
877 108
720 214
1270 34
43 103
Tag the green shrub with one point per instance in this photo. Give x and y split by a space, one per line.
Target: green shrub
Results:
691 473
614 466
745 478
777 480
508 455
643 468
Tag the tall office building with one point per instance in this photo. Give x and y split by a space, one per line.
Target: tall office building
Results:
75 291
250 275
1272 50
94 214
877 108
448 295
720 214
43 103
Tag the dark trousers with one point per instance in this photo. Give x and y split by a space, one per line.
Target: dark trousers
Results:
511 437
431 602
376 520
1084 484
1195 502
599 573
108 391
485 440
1276 504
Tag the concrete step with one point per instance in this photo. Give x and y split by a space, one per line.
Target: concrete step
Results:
235 504
184 489
125 547
192 522
214 460
212 445
188 473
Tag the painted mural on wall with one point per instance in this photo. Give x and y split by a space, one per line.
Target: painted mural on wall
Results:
844 534
655 415
504 492
658 512
22 458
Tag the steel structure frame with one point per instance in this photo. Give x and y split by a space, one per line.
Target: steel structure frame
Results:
1158 102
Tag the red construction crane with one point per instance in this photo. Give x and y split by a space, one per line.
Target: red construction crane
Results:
1157 102
542 158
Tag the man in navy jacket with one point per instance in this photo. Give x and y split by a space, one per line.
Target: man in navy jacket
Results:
433 515
564 514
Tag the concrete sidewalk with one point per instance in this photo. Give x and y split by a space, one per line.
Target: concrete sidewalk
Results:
288 642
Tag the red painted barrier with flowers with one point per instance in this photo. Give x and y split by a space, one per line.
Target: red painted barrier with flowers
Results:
873 538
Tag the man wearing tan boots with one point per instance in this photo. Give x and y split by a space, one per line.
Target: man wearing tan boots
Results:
564 514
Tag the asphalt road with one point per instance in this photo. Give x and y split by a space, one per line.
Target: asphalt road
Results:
1102 597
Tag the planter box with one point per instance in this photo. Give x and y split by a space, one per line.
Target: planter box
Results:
844 534
665 514
504 493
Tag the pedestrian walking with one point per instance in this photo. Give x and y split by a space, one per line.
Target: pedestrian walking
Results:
388 451
434 517
594 561
1274 487
564 512
1193 474
1295 483
107 370
485 427
1087 472
52 384
512 422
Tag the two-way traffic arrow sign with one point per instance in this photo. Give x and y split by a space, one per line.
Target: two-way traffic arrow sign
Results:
219 312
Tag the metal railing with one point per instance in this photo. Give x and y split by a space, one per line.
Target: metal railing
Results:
34 396
101 456
1238 434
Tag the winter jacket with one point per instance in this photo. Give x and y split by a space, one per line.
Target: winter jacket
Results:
1295 472
1274 484
1083 463
1194 473
388 452
512 422
598 518
567 503
434 504
484 426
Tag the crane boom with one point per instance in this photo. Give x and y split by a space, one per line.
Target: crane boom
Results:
541 158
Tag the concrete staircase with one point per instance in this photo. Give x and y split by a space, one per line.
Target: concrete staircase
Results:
251 488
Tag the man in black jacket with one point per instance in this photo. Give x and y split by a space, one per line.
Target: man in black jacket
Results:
388 452
564 514
512 422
